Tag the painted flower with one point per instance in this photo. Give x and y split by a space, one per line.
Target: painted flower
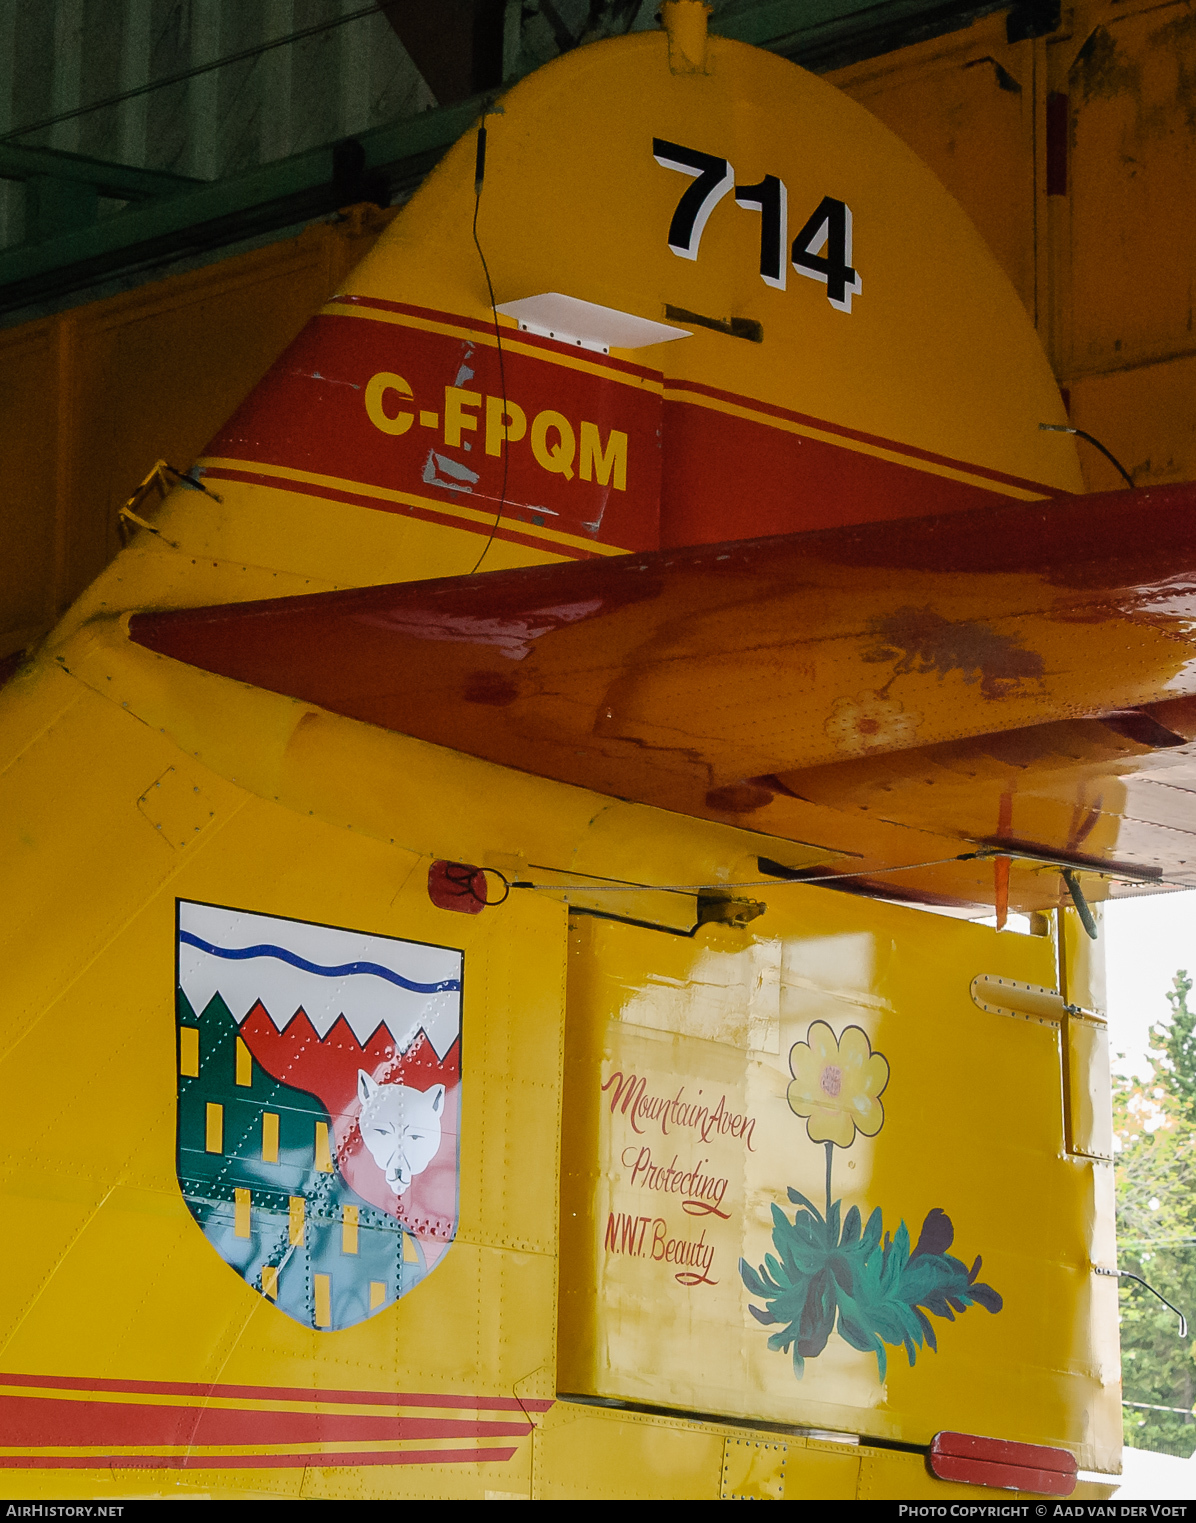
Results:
869 722
837 1085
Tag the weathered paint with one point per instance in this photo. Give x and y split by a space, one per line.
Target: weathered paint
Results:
133 781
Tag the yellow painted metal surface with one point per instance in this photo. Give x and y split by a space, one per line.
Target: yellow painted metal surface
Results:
117 1279
684 1130
109 1222
92 398
958 330
131 784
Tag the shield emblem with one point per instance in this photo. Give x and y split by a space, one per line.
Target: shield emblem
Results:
318 1102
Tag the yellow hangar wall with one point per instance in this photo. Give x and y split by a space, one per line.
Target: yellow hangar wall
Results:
1074 156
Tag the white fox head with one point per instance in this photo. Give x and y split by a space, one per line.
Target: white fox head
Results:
400 1126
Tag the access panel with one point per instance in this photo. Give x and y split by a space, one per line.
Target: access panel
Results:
808 1180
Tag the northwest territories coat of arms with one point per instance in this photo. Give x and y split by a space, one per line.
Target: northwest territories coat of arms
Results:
319 1088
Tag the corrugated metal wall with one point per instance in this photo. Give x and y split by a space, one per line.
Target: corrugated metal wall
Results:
58 55
91 398
1073 153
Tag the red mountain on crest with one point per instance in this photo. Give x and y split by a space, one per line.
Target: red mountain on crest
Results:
328 1069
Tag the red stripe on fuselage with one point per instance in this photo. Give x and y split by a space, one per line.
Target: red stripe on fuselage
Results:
672 385
315 1460
312 413
877 441
48 1421
498 527
699 466
728 477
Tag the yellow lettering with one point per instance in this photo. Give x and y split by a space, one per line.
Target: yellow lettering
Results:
600 461
509 422
559 458
455 416
375 396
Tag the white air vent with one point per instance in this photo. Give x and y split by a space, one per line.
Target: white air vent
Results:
585 325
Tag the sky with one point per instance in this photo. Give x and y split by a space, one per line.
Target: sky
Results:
1146 940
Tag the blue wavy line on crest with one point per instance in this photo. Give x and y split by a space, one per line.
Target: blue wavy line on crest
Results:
267 949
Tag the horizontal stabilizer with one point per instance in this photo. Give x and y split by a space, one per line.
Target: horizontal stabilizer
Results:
945 669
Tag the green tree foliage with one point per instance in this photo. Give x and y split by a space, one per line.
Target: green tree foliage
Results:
1155 1122
1174 1046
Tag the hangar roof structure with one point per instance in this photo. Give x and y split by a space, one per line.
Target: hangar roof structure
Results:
138 135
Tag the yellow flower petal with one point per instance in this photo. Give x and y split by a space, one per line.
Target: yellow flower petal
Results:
801 1100
804 1064
876 1074
868 1115
837 1083
823 1043
831 1126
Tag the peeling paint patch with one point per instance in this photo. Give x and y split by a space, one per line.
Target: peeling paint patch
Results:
464 373
437 467
316 375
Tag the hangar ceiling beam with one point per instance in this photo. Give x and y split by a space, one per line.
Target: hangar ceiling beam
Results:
823 34
290 191
72 248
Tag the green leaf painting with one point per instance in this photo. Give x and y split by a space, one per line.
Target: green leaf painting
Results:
880 1292
831 1271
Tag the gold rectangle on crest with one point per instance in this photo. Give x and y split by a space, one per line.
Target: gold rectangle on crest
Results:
189 1052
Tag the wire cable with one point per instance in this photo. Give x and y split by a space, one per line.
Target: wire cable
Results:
479 177
1066 428
697 888
798 882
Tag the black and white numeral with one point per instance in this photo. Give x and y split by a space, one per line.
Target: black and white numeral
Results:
828 229
714 179
771 199
821 251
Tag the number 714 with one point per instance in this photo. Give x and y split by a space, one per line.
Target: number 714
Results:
821 251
